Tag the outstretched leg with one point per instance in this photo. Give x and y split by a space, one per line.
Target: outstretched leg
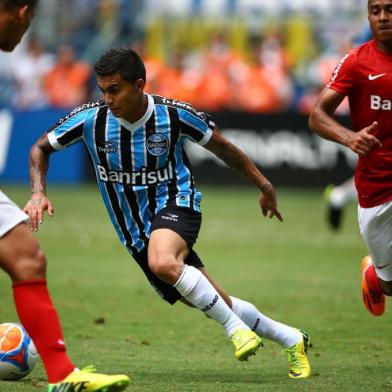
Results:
25 263
166 254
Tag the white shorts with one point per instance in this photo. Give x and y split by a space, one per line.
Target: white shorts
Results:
10 214
375 225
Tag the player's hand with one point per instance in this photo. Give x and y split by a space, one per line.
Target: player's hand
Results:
268 203
363 141
35 209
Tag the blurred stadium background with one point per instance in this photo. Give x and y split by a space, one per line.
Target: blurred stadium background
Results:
257 66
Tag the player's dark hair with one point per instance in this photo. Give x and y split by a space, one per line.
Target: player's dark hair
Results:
125 61
11 4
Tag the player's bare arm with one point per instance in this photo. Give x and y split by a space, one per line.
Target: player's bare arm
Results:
321 121
39 163
237 160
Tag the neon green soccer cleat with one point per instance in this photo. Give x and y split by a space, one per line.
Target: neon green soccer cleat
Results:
246 343
298 360
86 381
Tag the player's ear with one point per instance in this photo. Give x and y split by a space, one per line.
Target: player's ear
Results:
140 84
24 13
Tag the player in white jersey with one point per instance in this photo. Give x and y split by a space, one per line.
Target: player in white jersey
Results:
23 260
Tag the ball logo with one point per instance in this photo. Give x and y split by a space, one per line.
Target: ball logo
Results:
11 337
157 144
18 354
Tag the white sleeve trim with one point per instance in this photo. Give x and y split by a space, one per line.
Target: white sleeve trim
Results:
206 138
53 142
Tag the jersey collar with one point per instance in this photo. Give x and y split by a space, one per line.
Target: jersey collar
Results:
150 109
378 50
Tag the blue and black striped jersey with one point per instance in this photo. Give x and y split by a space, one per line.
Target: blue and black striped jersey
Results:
140 167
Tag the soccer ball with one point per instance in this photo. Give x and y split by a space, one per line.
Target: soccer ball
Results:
18 354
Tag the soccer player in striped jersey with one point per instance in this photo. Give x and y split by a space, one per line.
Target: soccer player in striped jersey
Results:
136 145
23 260
364 75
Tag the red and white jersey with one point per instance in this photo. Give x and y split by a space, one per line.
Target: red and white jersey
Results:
365 76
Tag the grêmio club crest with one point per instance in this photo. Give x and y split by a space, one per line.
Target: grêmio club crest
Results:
157 144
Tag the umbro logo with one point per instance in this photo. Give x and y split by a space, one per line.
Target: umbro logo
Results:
210 305
374 77
256 324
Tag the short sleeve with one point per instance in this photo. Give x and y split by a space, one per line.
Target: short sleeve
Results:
343 75
68 130
196 126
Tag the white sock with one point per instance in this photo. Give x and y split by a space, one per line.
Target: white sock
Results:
197 289
265 327
343 194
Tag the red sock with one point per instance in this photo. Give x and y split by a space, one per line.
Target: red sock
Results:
38 315
372 280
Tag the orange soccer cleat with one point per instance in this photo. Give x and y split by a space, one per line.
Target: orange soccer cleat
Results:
372 296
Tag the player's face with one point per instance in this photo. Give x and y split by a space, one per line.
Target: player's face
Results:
380 19
13 25
125 99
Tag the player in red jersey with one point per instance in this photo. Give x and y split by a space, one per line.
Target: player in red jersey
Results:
364 75
23 260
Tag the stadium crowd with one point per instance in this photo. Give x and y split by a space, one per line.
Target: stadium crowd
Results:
271 64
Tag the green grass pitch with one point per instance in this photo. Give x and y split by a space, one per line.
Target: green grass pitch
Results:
297 272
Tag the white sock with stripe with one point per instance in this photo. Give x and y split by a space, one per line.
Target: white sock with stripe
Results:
197 290
264 326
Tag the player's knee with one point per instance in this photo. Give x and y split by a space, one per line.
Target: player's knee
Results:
29 266
165 267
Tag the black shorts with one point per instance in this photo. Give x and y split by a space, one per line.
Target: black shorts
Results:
184 222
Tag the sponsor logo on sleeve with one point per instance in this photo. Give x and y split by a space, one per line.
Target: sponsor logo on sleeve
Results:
338 68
